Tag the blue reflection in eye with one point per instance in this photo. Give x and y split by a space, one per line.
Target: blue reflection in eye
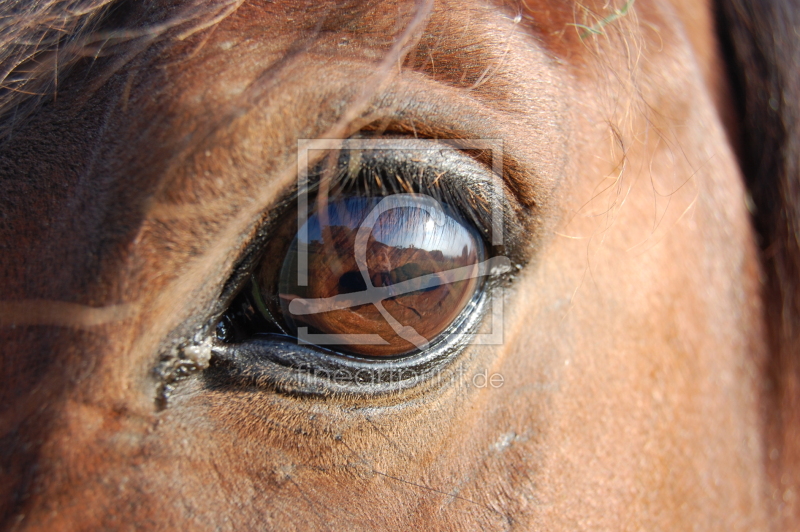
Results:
418 255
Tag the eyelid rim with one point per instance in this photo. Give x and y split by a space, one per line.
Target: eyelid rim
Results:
284 365
271 362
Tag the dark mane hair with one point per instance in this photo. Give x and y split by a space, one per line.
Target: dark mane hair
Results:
41 41
762 41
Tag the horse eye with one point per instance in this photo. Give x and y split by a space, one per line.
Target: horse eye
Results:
370 276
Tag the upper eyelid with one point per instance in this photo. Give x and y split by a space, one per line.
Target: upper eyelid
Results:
431 166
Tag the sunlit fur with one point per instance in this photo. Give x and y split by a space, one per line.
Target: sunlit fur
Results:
145 144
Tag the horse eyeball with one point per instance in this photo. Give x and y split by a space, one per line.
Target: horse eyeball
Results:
378 276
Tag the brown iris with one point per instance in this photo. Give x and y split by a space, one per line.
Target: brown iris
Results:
378 276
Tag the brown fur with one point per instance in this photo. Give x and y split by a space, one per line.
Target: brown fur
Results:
636 336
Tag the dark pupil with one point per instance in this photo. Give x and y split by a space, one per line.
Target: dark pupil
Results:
408 253
351 282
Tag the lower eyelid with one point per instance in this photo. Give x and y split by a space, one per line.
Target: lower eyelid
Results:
278 363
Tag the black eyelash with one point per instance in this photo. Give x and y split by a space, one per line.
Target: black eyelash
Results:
449 176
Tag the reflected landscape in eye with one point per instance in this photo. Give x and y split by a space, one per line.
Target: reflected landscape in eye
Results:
409 254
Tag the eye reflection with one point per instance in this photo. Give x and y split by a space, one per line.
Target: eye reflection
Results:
384 277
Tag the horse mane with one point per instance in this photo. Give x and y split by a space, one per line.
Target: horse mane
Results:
40 42
761 39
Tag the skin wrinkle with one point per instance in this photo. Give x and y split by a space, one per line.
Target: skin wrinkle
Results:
609 387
